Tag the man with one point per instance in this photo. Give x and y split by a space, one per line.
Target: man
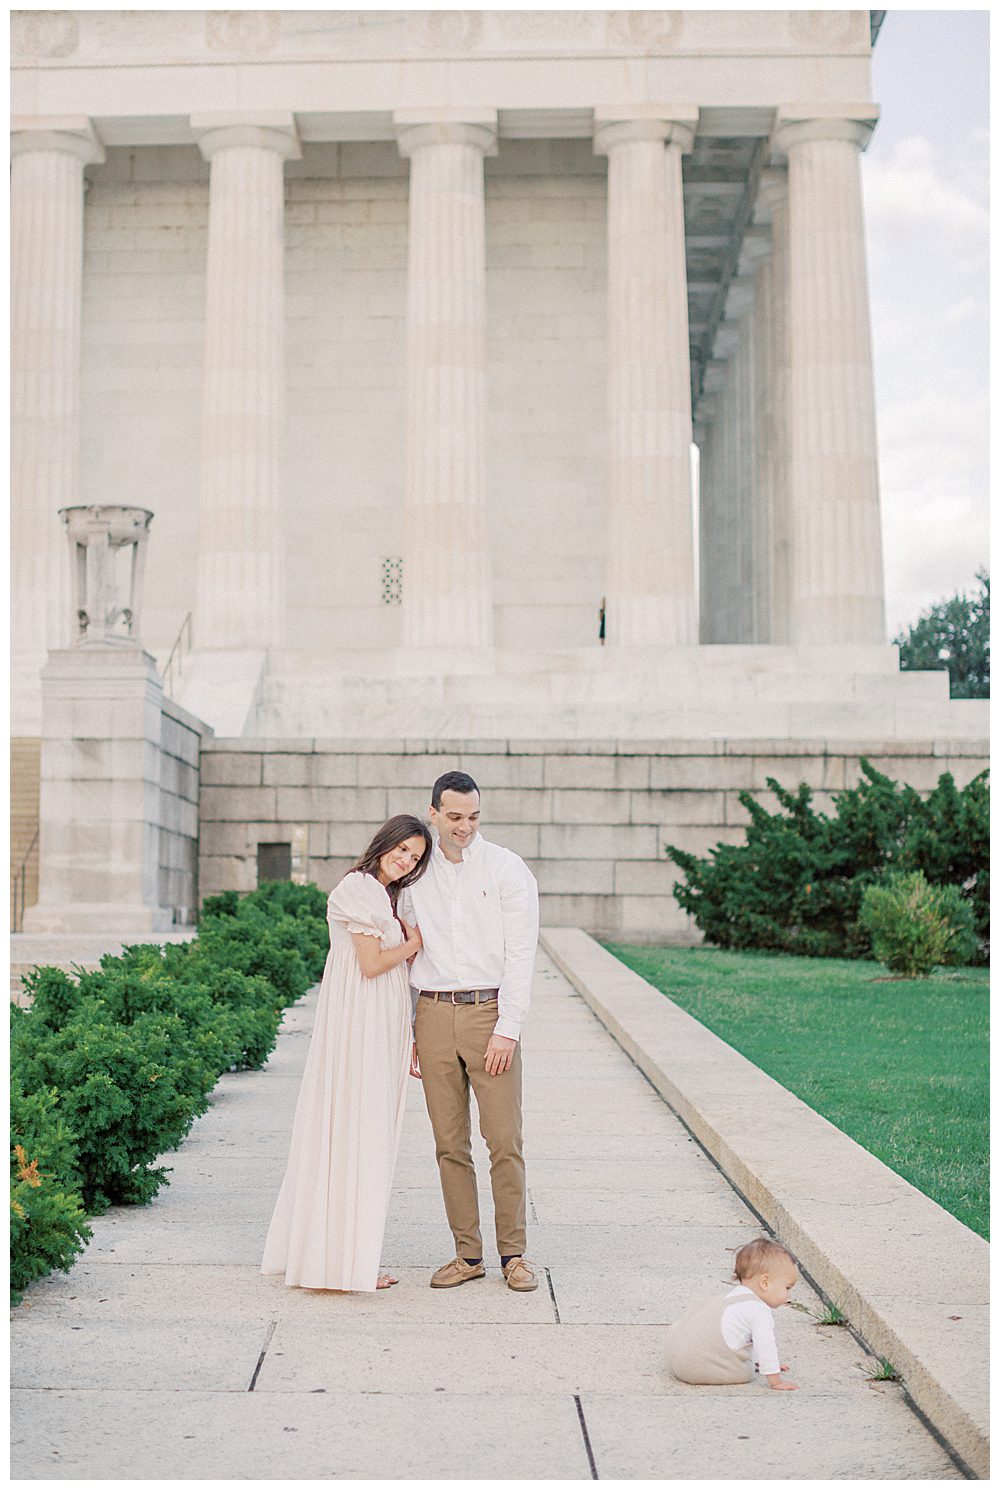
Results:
477 910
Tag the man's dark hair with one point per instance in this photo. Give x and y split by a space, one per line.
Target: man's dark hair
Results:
452 781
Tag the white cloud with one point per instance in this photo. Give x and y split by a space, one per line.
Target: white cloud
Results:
934 452
911 189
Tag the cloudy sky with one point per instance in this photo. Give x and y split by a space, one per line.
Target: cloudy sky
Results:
926 184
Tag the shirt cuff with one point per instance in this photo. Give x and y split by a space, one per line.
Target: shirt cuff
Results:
508 1028
767 1361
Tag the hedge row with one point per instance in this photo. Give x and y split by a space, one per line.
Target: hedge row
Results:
110 1068
798 881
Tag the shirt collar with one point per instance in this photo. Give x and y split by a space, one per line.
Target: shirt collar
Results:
467 853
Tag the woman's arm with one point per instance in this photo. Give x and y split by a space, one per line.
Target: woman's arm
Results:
374 959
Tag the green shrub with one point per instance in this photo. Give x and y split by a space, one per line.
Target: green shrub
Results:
797 882
109 1068
127 1093
47 1222
915 926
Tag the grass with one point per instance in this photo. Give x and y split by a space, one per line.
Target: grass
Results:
901 1066
882 1370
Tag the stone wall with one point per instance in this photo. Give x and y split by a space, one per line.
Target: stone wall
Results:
346 234
145 240
25 763
591 818
180 763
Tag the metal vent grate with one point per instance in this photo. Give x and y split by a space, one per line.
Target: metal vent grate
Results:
392 581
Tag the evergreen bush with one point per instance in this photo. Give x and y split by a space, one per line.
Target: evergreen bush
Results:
916 926
109 1068
47 1222
796 884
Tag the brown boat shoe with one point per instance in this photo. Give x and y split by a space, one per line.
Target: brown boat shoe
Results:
520 1275
457 1271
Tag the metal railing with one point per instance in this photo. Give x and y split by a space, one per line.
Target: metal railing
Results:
19 888
175 662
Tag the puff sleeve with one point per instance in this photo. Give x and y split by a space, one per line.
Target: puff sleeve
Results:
360 903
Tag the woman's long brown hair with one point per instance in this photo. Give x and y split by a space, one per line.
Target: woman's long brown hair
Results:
391 834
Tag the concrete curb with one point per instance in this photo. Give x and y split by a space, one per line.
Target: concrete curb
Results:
911 1279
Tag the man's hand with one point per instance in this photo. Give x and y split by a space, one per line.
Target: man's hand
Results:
415 1063
499 1054
412 934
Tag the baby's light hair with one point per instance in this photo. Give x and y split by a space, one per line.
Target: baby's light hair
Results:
755 1256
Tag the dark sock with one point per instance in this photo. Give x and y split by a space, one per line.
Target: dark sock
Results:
472 1261
505 1260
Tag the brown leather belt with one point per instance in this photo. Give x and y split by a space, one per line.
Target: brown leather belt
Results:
460 995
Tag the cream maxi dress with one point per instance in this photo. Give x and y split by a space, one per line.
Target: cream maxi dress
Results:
329 1218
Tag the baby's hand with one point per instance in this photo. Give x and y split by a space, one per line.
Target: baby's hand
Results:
777 1385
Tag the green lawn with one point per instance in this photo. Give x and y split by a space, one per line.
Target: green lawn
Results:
900 1066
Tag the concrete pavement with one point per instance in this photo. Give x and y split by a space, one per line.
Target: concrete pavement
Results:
164 1354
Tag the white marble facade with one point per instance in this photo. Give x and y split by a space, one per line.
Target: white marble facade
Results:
455 289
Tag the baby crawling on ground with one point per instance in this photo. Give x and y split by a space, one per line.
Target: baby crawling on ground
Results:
721 1340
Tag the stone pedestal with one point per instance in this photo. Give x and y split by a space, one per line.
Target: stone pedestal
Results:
651 580
837 584
100 794
46 192
242 531
447 580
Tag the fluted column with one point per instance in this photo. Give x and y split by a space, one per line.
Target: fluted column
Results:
651 580
46 189
240 589
771 333
447 579
711 514
837 584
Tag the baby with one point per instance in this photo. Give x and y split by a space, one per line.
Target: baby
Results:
721 1340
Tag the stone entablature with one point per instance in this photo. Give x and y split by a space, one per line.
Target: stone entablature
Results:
591 818
63 40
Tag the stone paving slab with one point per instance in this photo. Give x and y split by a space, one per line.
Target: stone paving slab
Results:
115 1293
634 1439
859 1229
166 1316
149 1355
702 1208
291 1436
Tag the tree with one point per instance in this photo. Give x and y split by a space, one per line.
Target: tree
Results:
954 634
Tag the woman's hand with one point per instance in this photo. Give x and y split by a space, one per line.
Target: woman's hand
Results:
415 1062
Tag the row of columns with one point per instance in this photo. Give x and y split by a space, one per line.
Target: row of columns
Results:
790 538
791 545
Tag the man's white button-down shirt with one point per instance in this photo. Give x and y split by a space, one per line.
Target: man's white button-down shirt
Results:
479 923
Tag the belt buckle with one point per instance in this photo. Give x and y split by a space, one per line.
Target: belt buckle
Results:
454 1000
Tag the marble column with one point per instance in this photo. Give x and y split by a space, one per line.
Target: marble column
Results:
837 583
447 578
771 333
651 581
711 513
46 192
240 581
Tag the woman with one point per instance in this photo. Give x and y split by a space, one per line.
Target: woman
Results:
329 1219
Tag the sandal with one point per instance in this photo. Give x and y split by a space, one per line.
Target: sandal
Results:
385 1280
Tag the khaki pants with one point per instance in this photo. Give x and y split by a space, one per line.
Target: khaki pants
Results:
451 1045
